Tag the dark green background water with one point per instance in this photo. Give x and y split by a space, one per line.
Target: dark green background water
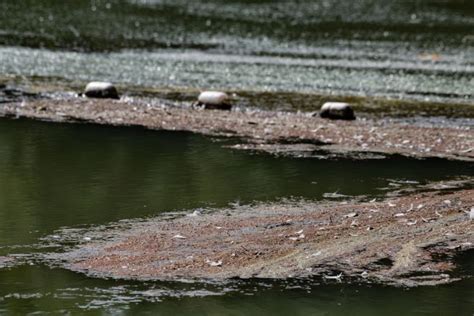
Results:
421 49
97 25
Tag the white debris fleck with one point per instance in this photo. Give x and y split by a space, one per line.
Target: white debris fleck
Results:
214 263
315 254
333 277
87 238
195 213
399 215
350 215
178 236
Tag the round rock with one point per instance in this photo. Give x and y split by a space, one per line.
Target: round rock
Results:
101 90
337 111
214 100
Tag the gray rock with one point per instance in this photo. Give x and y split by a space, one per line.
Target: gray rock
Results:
214 100
337 111
101 90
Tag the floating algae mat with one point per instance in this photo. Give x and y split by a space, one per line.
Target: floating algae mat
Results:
54 176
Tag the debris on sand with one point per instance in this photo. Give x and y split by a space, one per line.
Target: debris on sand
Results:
271 131
298 238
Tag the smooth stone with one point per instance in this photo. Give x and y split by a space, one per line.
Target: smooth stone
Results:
214 100
337 111
101 90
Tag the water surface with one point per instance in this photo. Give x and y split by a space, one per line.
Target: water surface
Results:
419 50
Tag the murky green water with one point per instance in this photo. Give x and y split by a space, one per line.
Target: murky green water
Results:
54 175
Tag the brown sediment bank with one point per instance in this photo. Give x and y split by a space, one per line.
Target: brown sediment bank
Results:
271 131
406 240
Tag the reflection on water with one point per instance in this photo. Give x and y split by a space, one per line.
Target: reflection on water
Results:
115 24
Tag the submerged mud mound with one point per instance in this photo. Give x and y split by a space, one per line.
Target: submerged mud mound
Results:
270 131
408 240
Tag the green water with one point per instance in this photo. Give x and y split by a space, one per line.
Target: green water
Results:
30 289
54 176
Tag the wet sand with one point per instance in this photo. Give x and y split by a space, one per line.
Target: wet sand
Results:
271 131
408 240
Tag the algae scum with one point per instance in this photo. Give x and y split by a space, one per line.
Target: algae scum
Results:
396 58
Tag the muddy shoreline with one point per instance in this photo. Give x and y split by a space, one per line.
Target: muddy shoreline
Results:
409 240
276 132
